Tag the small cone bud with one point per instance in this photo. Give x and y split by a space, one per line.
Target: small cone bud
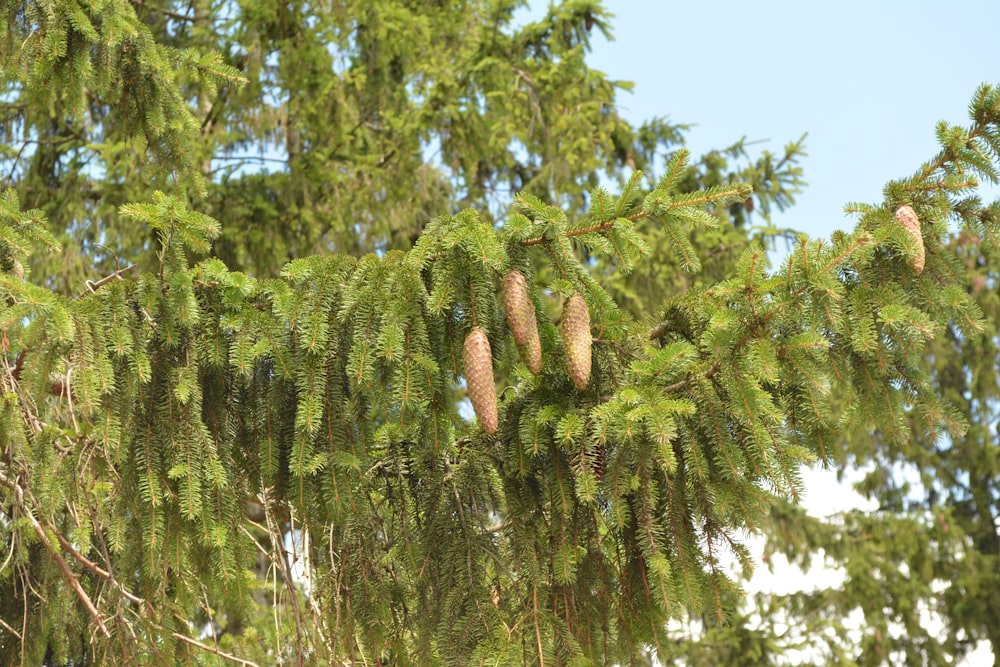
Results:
978 284
577 339
521 320
908 219
479 378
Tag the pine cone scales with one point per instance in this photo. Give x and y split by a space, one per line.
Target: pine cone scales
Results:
479 378
908 219
577 339
521 320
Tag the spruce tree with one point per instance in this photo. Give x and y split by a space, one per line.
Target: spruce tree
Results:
169 429
308 128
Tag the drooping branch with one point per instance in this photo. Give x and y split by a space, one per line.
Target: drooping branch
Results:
68 575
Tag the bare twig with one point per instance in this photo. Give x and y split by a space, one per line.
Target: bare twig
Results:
280 559
94 286
11 630
212 649
69 397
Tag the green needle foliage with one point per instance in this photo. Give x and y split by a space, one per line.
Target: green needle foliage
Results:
213 453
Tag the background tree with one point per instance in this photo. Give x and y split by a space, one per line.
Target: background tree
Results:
346 127
162 428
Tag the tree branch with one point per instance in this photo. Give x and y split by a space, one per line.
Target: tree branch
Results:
212 649
11 630
71 578
94 286
96 569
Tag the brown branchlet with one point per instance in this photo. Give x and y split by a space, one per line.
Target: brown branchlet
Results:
907 217
577 339
478 360
521 319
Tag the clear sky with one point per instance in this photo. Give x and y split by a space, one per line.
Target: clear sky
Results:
868 80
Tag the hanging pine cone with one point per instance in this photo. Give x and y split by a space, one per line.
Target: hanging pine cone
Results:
521 320
577 339
479 378
908 219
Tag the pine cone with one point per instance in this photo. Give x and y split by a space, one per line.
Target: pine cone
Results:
479 378
577 339
908 219
521 320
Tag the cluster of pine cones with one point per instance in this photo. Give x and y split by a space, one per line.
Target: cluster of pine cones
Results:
523 325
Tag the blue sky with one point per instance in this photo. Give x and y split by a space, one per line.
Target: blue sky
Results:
867 80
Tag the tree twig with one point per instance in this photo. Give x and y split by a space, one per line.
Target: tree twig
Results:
94 286
212 649
280 557
96 569
11 630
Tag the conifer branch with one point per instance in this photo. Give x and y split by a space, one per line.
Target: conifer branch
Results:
707 374
96 569
580 231
942 185
741 190
68 575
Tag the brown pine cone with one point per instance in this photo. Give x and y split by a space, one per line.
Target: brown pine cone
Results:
479 378
521 320
577 339
908 219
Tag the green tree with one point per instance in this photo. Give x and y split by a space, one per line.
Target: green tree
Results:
164 427
309 127
345 128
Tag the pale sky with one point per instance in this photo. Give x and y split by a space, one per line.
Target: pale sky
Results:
868 80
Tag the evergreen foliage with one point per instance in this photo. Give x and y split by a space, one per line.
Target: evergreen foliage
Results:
360 121
168 430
